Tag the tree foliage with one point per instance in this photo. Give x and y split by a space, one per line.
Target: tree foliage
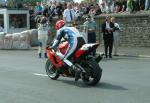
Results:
31 2
12 3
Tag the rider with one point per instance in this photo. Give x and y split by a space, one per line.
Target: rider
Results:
75 40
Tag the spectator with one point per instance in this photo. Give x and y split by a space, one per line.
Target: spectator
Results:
14 22
130 6
147 4
142 4
69 15
111 5
43 5
43 36
118 6
136 5
104 6
52 11
45 11
92 11
38 9
87 8
59 10
116 34
91 30
97 10
124 5
108 29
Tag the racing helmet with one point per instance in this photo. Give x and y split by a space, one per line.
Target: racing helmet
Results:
59 24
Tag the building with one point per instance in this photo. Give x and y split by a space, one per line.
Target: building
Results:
14 20
2 2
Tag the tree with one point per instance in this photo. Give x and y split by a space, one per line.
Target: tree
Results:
11 3
31 2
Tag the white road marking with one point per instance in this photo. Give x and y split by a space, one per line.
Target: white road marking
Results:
146 56
44 75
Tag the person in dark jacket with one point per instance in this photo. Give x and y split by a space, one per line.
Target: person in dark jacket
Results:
108 29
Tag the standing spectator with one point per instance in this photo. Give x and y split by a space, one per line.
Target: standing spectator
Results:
59 10
124 5
43 5
87 8
97 10
130 5
142 4
104 6
45 11
136 5
38 9
147 4
92 11
118 6
91 30
43 36
116 34
52 12
108 29
110 4
69 15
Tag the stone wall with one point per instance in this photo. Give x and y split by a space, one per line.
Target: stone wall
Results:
136 29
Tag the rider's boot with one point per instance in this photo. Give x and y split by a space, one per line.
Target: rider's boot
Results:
45 55
40 55
77 72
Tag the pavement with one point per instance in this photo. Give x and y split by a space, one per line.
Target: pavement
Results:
131 51
126 51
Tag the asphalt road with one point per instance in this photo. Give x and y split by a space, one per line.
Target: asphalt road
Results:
23 80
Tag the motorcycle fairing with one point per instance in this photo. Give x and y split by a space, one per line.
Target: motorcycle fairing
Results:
56 61
86 48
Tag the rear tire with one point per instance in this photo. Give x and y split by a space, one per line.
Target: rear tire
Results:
95 73
51 70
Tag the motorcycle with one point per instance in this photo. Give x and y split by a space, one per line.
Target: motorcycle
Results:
82 59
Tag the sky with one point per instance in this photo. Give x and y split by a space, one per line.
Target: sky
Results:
77 0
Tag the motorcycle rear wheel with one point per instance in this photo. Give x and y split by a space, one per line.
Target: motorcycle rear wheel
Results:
51 70
94 75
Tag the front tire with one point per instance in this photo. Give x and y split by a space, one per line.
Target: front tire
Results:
51 70
94 73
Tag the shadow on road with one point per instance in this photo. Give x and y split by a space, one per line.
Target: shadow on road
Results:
102 85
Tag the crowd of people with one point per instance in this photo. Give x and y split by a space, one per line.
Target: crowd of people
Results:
70 12
110 29
111 6
93 8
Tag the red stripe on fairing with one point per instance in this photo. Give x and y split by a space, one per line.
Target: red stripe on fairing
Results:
79 53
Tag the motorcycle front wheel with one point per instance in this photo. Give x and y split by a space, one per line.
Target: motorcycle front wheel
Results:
51 70
93 73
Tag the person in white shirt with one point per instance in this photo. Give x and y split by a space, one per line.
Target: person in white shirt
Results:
104 6
69 15
116 34
43 36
